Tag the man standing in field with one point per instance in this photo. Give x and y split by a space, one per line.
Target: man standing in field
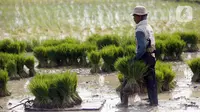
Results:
145 51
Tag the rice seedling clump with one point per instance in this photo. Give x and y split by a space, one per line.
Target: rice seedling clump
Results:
194 65
55 90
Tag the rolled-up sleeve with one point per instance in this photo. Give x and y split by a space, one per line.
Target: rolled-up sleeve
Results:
141 44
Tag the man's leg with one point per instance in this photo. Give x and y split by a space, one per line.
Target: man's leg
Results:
152 86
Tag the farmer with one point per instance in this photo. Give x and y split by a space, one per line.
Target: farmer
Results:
146 52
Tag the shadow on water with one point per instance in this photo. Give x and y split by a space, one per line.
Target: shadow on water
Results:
99 87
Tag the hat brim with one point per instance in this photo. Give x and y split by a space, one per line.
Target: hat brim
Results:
140 14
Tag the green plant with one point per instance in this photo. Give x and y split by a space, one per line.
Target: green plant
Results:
194 65
174 48
108 40
160 47
110 55
3 83
164 76
94 57
191 40
129 50
4 45
20 60
55 90
133 72
41 54
11 67
30 63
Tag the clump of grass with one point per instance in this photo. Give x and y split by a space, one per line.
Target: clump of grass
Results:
191 40
164 76
31 44
9 46
194 65
110 54
20 60
106 40
133 72
160 47
41 54
30 64
55 90
11 68
174 48
129 50
94 57
3 83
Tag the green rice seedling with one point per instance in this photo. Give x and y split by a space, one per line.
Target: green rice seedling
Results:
110 54
129 50
55 90
94 57
51 42
194 65
41 54
162 36
20 60
71 40
160 47
108 40
11 68
30 64
4 45
85 49
53 59
191 40
160 80
127 41
173 48
31 44
13 48
133 72
168 76
23 46
93 39
3 83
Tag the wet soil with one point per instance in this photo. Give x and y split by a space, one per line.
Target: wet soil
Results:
98 87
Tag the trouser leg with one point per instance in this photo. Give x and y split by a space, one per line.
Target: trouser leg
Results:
152 86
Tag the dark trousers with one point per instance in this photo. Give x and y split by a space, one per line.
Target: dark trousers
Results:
150 78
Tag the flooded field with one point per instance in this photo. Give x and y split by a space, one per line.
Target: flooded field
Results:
101 87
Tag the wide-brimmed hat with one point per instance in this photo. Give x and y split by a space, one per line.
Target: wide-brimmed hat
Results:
139 10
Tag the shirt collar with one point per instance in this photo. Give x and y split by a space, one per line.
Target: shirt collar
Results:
143 22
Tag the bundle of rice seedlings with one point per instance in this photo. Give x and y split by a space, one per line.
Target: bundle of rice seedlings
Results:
84 49
108 40
164 76
55 90
191 40
30 64
194 65
110 54
174 48
94 57
11 68
3 83
160 47
53 59
20 60
4 45
129 50
133 72
41 54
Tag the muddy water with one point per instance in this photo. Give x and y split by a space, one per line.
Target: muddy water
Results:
94 88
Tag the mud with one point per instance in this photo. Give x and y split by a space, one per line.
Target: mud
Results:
94 88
